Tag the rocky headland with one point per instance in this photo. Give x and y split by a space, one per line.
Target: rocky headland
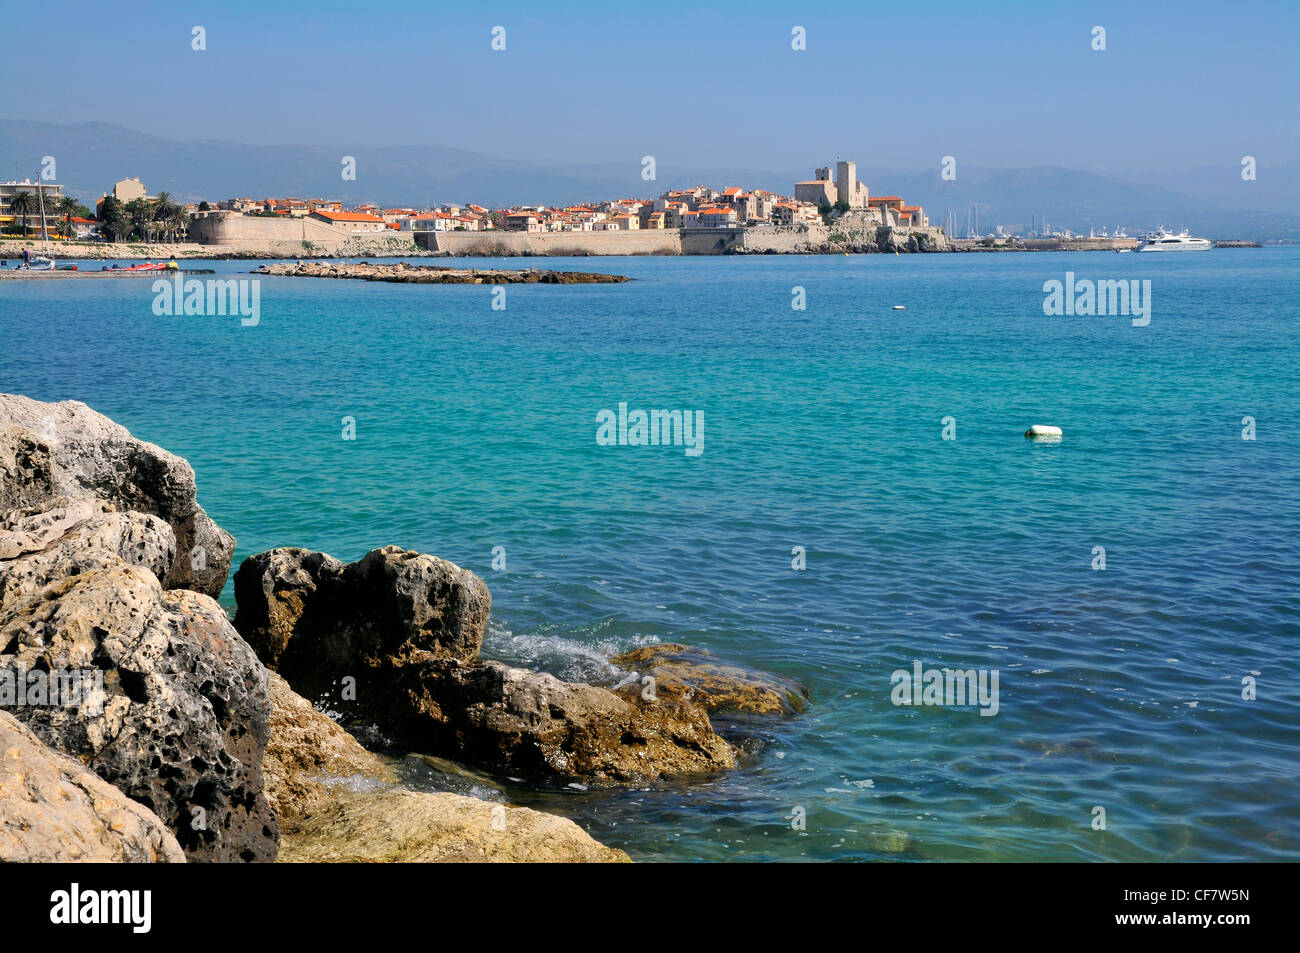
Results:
190 737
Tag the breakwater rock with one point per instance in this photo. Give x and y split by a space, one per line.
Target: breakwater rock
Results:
436 274
393 639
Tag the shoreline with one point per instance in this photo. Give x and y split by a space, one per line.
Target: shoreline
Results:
11 251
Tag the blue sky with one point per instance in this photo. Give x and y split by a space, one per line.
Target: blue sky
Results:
900 85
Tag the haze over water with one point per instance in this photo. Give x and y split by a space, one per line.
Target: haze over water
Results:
476 428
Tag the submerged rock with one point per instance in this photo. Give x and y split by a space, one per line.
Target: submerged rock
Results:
505 717
52 810
68 450
691 674
397 826
393 639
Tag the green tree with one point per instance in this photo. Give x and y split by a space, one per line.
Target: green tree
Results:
22 203
841 206
161 212
139 213
179 221
68 207
114 219
204 206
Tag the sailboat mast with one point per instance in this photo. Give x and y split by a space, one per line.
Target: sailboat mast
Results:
40 198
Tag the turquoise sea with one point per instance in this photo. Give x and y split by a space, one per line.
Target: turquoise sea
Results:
475 428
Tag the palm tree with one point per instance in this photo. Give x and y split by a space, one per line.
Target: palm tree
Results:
22 203
163 206
68 207
180 221
118 223
140 212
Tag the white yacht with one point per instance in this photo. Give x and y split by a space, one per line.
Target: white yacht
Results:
1162 240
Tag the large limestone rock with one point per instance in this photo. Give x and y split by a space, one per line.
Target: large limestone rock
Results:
394 638
396 826
316 620
39 546
68 450
181 723
691 674
52 810
310 760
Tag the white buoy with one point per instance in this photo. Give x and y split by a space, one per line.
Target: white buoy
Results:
1043 432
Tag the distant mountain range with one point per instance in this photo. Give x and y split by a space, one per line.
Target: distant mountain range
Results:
90 157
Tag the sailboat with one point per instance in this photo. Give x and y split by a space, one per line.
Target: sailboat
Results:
42 264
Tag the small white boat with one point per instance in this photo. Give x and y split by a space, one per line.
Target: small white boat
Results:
1162 240
41 264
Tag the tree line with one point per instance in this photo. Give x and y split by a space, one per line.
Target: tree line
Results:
26 204
146 220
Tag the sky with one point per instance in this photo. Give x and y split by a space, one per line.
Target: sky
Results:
994 84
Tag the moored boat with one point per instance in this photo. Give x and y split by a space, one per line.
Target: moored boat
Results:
1163 240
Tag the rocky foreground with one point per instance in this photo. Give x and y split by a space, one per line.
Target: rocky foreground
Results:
196 740
437 274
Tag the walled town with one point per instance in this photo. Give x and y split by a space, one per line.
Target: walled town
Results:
828 213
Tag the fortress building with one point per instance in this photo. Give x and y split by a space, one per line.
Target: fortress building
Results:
820 190
847 186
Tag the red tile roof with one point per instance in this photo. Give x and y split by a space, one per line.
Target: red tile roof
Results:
348 216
